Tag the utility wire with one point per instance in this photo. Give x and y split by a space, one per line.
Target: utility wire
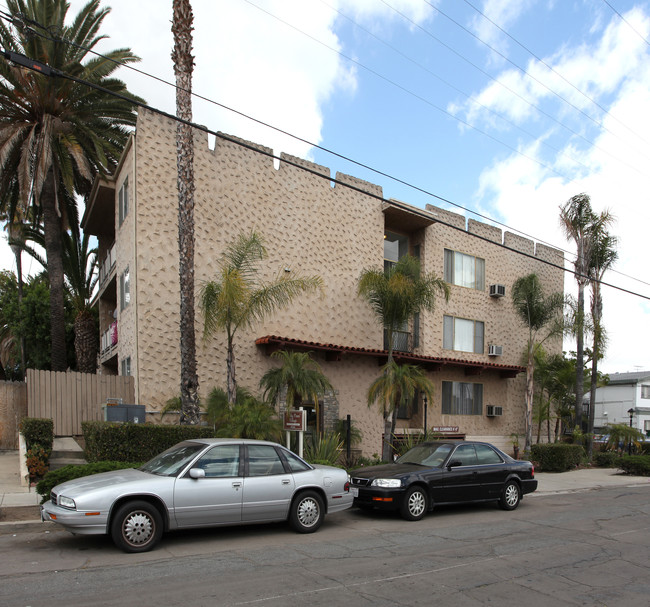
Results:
638 33
53 72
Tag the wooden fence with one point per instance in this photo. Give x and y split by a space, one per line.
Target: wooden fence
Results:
13 407
70 398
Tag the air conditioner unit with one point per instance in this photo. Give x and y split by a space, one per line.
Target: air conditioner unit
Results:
497 290
495 350
493 411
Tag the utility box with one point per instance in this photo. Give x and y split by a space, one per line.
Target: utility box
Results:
133 414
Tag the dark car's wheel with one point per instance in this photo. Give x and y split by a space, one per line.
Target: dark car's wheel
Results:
307 512
136 527
510 496
414 504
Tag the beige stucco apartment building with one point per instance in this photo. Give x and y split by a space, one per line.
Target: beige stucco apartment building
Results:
470 346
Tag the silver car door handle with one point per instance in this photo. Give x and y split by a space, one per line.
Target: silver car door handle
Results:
236 484
286 481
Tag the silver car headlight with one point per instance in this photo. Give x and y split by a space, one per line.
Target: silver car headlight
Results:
390 483
66 502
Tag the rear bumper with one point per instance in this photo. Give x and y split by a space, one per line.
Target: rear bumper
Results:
528 485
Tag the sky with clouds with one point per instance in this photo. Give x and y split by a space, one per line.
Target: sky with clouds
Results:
507 109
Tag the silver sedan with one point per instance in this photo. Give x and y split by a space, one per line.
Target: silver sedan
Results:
200 483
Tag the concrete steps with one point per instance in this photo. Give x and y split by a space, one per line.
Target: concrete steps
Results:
66 451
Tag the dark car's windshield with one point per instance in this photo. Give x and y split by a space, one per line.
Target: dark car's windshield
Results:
172 461
428 454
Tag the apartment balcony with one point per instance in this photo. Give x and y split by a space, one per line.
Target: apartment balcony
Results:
108 343
402 341
107 266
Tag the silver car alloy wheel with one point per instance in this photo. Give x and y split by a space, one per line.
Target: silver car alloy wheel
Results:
308 511
138 528
511 495
416 503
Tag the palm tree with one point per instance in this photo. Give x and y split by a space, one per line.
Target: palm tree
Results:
537 312
396 386
80 268
395 295
56 133
398 293
576 218
183 67
238 299
302 378
604 255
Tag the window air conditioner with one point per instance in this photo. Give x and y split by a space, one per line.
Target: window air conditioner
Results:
495 350
494 411
497 290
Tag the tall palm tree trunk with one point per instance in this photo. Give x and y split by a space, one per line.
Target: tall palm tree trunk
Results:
580 354
183 66
596 312
54 249
231 377
18 241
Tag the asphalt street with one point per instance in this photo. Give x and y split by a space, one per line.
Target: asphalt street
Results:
567 548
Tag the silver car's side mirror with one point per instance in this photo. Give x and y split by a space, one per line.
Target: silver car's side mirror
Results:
197 473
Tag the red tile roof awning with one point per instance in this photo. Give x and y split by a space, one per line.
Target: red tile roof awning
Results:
334 352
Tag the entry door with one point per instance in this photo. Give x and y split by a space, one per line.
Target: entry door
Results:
216 498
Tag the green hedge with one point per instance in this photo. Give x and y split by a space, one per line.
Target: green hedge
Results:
38 431
557 457
607 459
107 441
67 473
635 464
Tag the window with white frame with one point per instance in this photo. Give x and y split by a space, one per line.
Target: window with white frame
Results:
126 366
645 391
395 247
125 289
462 398
463 334
123 200
464 270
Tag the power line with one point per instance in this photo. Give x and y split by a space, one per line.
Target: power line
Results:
25 61
639 34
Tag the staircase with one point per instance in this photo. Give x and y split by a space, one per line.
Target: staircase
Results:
65 451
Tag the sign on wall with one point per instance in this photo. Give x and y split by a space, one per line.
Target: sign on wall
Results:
295 421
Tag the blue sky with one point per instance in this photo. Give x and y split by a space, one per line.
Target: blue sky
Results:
508 121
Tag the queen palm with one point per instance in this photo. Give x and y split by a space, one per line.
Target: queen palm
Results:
576 218
302 378
237 298
541 314
56 133
397 386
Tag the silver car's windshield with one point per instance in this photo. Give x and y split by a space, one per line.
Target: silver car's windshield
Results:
172 461
428 454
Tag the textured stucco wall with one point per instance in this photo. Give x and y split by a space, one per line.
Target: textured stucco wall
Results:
309 227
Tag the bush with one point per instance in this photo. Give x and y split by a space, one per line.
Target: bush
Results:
635 464
557 457
107 441
607 459
67 473
39 438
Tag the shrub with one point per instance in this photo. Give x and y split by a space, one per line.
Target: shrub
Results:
557 457
39 438
635 464
324 449
107 441
607 459
38 458
67 473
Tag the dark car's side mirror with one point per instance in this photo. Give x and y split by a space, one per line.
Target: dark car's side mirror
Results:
454 464
197 473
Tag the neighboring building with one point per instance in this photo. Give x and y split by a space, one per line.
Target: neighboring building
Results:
624 393
470 346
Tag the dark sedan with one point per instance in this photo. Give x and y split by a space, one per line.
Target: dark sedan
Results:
443 472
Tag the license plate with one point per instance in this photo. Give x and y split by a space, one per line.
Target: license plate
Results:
354 491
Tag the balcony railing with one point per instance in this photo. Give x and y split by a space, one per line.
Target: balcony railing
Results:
107 265
109 338
402 341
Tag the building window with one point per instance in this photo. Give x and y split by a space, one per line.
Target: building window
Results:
645 391
125 289
461 398
395 247
463 334
409 409
126 366
123 200
464 270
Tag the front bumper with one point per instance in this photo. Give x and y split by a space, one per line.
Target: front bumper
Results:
382 499
79 523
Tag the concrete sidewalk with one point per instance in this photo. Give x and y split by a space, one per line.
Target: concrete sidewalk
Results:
15 498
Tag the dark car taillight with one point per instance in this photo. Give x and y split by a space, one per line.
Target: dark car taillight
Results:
346 487
532 472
